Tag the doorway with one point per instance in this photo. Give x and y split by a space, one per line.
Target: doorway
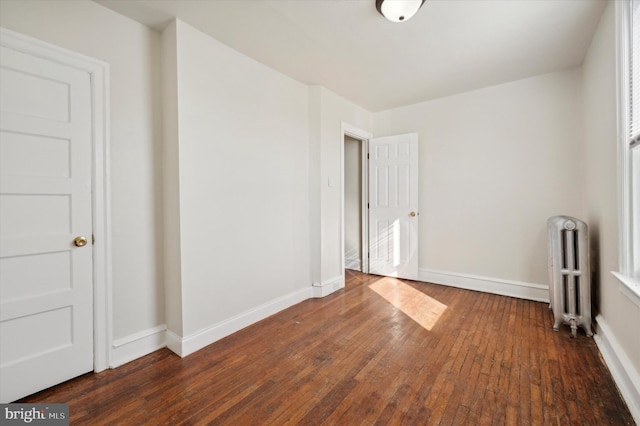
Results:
355 218
353 191
388 190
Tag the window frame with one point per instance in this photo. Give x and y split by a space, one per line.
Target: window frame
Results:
627 273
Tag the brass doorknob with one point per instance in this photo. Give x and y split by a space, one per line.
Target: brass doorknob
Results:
79 241
412 214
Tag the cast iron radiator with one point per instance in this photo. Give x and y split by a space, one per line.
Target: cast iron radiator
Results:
569 273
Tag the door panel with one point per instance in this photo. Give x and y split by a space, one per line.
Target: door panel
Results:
46 286
393 196
34 95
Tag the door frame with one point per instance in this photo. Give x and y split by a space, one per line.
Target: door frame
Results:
363 136
100 192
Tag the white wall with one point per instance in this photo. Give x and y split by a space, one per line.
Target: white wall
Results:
494 165
352 202
618 313
171 182
331 111
132 51
243 183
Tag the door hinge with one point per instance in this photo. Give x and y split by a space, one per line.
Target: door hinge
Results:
368 255
367 155
367 205
93 239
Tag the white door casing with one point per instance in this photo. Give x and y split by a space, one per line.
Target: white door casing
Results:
393 206
364 136
52 136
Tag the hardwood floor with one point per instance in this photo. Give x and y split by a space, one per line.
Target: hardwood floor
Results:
354 358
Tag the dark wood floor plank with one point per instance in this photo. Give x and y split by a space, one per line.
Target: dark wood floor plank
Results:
355 358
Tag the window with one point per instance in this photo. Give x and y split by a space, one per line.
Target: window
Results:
629 137
633 142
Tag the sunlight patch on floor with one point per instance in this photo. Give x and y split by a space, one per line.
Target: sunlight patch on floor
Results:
421 308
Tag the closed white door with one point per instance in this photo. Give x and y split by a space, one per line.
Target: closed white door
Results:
393 206
46 286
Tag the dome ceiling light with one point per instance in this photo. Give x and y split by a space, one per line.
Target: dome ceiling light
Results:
398 10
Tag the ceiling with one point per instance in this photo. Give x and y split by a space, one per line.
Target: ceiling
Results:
448 47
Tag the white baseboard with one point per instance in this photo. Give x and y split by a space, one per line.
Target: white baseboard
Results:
137 345
353 263
189 344
327 287
521 290
174 343
624 374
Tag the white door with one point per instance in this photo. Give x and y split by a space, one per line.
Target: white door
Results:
46 309
393 206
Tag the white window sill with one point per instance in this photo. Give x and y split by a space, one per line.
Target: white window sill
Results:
629 287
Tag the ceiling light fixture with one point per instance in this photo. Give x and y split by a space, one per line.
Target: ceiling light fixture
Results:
398 10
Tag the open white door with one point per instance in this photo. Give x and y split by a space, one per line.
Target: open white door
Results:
393 206
46 285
